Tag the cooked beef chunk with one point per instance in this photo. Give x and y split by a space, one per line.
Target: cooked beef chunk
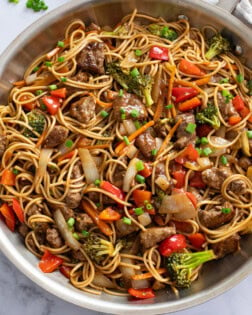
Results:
118 177
3 144
91 58
214 177
157 285
151 236
244 162
238 187
40 231
82 222
125 104
53 238
160 129
227 246
184 137
95 197
214 217
92 27
83 109
56 137
33 209
80 76
77 255
123 229
23 229
231 135
226 109
73 198
146 143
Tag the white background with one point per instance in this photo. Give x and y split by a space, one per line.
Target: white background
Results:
18 295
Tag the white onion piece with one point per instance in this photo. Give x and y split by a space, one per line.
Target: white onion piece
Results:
218 145
162 182
62 149
127 272
129 61
144 219
129 126
101 280
64 231
179 205
159 142
132 150
31 78
130 174
88 165
204 163
122 130
44 159
140 284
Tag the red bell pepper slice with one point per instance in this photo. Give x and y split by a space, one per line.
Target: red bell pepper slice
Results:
8 178
28 105
142 293
8 214
59 93
141 196
109 214
159 53
203 130
112 189
18 210
180 178
147 171
52 104
197 239
172 244
190 154
192 198
49 262
65 270
196 181
183 93
238 103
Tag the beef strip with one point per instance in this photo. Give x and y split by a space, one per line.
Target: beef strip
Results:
73 198
80 76
214 177
226 109
91 58
244 162
151 236
56 137
227 246
214 217
146 143
40 231
23 230
184 137
82 222
123 229
238 187
160 129
53 238
83 109
77 255
3 144
126 104
33 209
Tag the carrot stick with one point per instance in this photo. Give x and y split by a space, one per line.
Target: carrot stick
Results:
19 83
94 214
233 120
233 66
172 70
101 103
148 275
41 139
159 109
190 68
134 135
169 136
189 104
94 147
67 155
202 81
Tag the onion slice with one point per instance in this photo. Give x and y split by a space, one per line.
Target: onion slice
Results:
44 159
64 231
31 78
130 174
101 280
129 126
89 166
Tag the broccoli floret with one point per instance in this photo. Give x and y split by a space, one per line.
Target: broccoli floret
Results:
181 265
218 45
36 120
97 248
209 116
162 31
120 30
140 84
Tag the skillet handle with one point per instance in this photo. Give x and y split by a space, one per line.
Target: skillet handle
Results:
228 5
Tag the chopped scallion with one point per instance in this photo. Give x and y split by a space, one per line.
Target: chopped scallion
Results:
138 211
139 166
138 52
239 78
63 79
190 128
76 236
154 152
71 222
126 220
69 143
169 106
48 63
249 134
61 59
207 151
223 160
126 140
120 93
97 182
134 73
226 210
140 179
104 114
85 233
204 140
53 87
134 113
60 44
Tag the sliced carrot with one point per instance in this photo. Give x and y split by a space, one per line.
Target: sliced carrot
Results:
101 103
141 196
148 275
52 53
233 120
19 83
28 105
94 147
202 81
190 68
189 104
233 66
245 112
94 214
159 109
63 69
109 214
67 155
41 139
172 69
135 134
197 239
8 178
169 136
111 95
